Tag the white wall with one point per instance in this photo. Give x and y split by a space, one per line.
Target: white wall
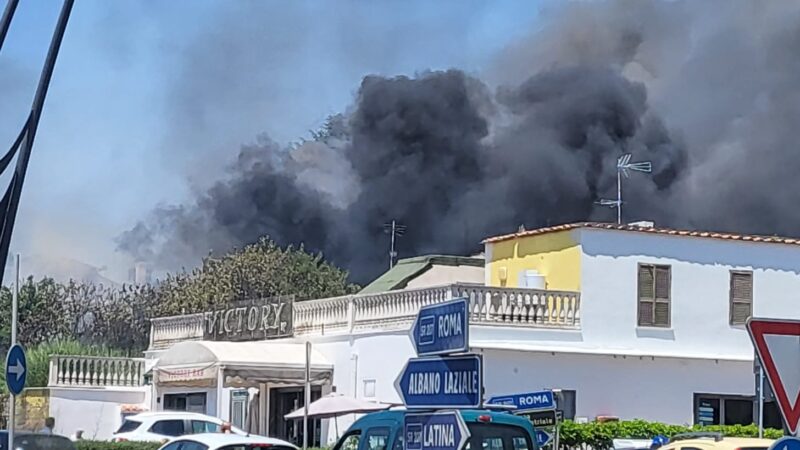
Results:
700 283
439 275
95 410
660 389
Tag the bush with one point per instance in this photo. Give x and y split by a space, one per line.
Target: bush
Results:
104 445
599 435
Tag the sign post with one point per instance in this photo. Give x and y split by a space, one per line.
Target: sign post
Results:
18 372
442 328
441 382
777 344
435 431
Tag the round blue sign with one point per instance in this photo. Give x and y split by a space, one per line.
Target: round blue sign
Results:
16 369
786 443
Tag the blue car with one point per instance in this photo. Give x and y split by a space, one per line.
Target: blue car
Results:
489 430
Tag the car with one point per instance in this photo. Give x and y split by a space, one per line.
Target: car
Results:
36 441
489 430
161 425
714 441
224 441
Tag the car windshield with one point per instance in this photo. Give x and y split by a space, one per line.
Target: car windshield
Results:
486 436
128 425
37 442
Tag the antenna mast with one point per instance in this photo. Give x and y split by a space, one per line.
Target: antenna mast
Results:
395 230
624 165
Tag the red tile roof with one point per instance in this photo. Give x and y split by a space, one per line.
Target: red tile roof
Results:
645 229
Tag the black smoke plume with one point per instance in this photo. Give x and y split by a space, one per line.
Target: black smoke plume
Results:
710 99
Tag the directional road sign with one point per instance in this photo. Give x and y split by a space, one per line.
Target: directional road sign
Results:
531 401
542 418
441 382
786 443
16 369
543 438
442 328
777 344
435 431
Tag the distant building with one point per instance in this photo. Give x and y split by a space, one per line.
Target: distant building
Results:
140 273
428 271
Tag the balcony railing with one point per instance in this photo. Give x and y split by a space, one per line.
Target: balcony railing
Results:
515 307
95 371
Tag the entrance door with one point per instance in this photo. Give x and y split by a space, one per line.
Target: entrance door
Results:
282 401
238 415
195 402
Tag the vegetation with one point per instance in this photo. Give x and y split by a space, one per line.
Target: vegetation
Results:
100 318
596 435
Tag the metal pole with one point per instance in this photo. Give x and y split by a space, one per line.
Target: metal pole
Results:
391 250
307 395
12 407
5 22
760 401
10 201
619 197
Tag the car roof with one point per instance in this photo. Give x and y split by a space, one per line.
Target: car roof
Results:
469 416
170 414
220 439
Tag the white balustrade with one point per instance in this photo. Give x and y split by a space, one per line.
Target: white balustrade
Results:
67 370
518 307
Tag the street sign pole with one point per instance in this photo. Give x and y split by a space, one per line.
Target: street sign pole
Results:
12 407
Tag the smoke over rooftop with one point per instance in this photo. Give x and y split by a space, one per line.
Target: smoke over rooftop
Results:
710 99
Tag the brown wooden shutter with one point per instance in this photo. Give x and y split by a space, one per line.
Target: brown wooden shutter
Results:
741 297
646 280
662 301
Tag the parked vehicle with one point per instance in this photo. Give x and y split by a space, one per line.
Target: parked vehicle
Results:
158 426
220 441
489 430
36 441
715 441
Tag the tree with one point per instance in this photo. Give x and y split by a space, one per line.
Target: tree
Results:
259 270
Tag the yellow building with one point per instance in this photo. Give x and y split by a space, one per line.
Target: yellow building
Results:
545 258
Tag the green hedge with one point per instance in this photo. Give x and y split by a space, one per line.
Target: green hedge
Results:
599 435
105 445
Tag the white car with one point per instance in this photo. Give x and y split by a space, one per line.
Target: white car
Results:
162 425
220 441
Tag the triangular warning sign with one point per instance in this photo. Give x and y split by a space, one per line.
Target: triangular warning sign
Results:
777 344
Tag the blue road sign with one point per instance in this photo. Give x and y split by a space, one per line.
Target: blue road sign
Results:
442 328
441 382
16 369
543 438
786 443
435 431
531 401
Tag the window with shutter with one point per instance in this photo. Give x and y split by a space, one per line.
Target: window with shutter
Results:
654 295
741 297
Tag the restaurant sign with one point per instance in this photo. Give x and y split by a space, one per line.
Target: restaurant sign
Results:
250 320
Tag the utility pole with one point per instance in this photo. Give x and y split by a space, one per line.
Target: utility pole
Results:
12 399
395 230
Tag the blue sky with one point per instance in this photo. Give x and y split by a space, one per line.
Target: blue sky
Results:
150 99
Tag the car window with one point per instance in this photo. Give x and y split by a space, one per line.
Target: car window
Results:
168 428
398 442
192 445
201 426
349 441
487 436
256 447
38 442
376 438
173 445
128 425
520 443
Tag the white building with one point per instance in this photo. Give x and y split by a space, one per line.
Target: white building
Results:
629 321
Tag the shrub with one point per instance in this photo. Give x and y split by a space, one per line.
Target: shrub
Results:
105 445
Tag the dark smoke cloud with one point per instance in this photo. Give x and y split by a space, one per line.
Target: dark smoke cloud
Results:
711 99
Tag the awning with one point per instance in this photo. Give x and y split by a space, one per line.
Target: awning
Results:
245 364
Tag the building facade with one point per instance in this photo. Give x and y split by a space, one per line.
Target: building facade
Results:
627 321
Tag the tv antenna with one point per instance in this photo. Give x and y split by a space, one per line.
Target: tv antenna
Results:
395 230
624 166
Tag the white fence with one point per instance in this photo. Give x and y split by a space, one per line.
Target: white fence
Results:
68 370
